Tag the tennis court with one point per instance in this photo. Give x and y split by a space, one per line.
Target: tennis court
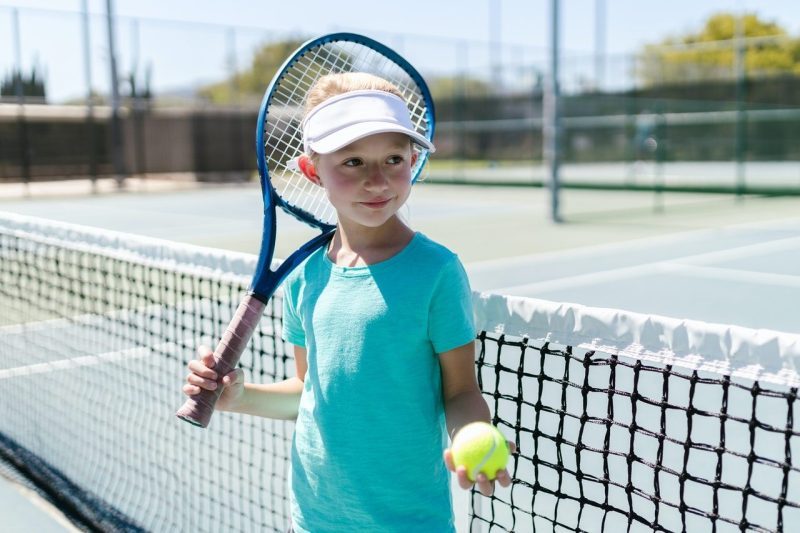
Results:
714 258
643 354
131 309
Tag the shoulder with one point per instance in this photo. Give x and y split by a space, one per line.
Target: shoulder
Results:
436 262
430 251
308 269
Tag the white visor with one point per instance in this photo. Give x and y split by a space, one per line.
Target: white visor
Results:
351 116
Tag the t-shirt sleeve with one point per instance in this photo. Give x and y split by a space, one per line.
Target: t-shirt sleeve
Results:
292 325
451 323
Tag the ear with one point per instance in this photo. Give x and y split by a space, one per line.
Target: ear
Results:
306 166
414 157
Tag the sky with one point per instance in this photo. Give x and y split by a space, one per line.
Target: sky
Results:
432 32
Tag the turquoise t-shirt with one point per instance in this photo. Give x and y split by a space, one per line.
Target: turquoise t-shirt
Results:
367 448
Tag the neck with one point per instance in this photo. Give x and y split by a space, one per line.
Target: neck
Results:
354 245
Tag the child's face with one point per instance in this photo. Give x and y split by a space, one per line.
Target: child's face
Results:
369 180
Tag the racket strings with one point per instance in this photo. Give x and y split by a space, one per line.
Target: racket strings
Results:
298 191
283 131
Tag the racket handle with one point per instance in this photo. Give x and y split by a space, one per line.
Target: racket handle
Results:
198 409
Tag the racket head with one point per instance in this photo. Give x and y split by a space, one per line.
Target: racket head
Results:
279 135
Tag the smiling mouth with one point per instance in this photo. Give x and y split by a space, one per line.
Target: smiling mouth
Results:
376 204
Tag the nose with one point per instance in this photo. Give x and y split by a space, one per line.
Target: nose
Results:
376 178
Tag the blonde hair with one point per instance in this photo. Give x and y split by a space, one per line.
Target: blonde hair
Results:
332 85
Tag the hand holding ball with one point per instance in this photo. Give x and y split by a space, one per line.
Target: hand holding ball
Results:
480 447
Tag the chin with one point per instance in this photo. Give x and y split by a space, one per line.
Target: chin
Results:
376 220
373 224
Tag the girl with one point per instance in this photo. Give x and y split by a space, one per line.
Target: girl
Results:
381 323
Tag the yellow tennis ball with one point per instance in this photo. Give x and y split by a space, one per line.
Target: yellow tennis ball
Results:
480 447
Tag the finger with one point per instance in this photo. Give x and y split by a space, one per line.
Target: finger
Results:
485 486
206 355
463 479
448 460
191 390
203 383
512 448
199 368
504 478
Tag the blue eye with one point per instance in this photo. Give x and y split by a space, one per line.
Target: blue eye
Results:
395 160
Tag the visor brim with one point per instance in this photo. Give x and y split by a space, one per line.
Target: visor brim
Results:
350 134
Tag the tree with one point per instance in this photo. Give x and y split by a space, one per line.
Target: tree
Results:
450 88
32 86
251 82
255 79
710 54
138 87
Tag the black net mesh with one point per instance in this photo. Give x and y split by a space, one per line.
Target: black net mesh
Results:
96 330
607 442
93 347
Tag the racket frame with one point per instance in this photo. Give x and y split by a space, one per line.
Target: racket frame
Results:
197 410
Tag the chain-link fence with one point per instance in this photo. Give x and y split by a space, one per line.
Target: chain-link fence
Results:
189 94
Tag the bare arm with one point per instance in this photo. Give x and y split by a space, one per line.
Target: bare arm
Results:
463 403
278 400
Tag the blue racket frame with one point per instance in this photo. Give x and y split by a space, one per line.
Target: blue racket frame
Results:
266 281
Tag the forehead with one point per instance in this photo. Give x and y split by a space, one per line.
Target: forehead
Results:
378 142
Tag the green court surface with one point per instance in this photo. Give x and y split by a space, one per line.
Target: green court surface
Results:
717 258
23 511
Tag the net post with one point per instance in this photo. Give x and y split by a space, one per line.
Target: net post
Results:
552 127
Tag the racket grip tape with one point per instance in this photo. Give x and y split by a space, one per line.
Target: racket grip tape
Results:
197 410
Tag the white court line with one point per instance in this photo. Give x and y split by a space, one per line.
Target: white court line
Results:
645 269
583 280
740 252
53 323
86 319
116 319
42 505
730 274
86 360
532 259
126 317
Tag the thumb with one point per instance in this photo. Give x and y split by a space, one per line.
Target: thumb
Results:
448 460
235 377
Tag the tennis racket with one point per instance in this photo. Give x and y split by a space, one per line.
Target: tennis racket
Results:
279 141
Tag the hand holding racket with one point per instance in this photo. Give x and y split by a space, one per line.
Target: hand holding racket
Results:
279 142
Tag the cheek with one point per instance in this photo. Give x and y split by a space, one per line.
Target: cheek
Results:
401 178
338 185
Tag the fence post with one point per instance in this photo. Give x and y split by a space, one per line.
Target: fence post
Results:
552 126
22 124
91 134
116 126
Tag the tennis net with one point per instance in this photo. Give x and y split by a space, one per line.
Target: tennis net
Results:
621 421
